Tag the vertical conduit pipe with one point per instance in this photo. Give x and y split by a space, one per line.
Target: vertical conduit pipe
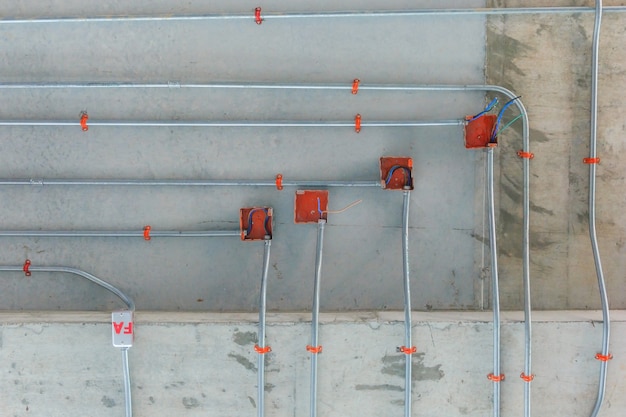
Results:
315 348
408 343
261 337
496 376
127 393
606 329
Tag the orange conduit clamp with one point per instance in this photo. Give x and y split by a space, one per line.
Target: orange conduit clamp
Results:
406 350
495 378
591 160
314 349
604 358
357 123
146 233
527 155
355 86
262 350
83 121
257 16
279 182
527 378
26 267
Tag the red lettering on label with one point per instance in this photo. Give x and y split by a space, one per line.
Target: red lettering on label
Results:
129 329
118 327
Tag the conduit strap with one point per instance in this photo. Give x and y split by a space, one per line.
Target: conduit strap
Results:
146 232
407 350
527 378
262 350
279 182
527 155
591 160
604 358
314 349
26 267
357 123
495 378
257 16
355 86
83 121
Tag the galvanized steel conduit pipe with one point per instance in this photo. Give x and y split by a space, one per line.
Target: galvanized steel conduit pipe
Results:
604 356
315 348
315 15
261 348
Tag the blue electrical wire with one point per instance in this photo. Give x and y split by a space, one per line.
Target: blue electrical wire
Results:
407 171
265 224
488 108
319 208
497 125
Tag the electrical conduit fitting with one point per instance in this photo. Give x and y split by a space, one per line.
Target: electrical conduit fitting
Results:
314 349
146 232
589 161
262 350
357 123
26 268
495 378
527 155
279 182
355 86
603 358
257 16
83 121
406 350
527 378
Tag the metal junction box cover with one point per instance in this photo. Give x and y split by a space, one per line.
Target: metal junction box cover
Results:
122 328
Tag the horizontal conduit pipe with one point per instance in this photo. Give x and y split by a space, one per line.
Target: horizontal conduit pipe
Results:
239 123
121 233
186 183
125 299
308 15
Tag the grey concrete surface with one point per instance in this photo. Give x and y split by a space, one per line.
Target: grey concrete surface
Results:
362 264
196 364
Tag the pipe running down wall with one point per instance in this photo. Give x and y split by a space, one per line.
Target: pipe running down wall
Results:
109 287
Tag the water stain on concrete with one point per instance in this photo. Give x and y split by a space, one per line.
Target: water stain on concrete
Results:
394 365
151 399
190 403
396 402
243 361
245 338
269 387
107 402
252 401
381 387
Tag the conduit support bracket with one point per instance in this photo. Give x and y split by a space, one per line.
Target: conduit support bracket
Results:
255 223
396 173
311 206
478 132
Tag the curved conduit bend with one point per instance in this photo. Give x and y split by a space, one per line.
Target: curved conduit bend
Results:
374 87
604 356
109 287
259 17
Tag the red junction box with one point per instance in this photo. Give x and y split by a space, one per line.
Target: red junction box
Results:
255 223
478 132
396 173
308 204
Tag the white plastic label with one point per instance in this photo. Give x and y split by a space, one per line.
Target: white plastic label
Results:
122 328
